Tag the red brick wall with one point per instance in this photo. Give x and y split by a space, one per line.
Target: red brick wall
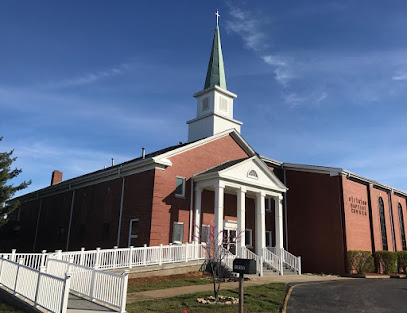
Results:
397 231
166 207
28 224
357 221
315 230
54 222
95 215
375 194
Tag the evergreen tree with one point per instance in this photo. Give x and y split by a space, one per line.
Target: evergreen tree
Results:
7 191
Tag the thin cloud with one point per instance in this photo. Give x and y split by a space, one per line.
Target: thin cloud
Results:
400 76
90 78
247 28
283 72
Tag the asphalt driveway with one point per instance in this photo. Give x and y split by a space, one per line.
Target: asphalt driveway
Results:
358 295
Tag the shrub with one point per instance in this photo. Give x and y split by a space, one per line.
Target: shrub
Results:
360 261
385 260
402 261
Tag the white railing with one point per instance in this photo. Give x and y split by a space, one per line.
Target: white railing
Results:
33 260
292 261
273 260
44 290
289 259
133 257
247 254
106 287
227 257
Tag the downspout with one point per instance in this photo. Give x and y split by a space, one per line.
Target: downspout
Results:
342 219
369 203
70 220
285 209
120 215
36 228
391 220
191 210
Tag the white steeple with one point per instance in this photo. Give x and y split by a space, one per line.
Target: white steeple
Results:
215 102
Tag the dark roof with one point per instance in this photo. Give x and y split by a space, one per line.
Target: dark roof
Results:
222 166
147 156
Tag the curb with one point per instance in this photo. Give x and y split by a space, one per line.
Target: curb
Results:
287 297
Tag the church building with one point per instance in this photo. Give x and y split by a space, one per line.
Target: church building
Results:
216 179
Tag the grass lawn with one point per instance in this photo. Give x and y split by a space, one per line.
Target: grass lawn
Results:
163 282
263 298
5 308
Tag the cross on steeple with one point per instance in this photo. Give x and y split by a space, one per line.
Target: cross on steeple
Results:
217 17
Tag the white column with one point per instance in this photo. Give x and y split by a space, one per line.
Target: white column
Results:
260 223
278 209
241 220
197 222
219 190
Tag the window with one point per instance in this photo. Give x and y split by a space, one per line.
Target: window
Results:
177 232
268 238
205 234
223 104
403 234
133 231
248 234
383 224
268 204
252 174
205 104
180 187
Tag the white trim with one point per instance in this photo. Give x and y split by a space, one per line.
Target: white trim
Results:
232 132
99 176
182 232
130 229
218 115
335 171
249 244
218 89
184 180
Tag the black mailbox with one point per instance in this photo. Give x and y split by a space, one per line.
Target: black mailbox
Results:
244 266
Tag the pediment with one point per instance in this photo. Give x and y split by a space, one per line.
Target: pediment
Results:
251 172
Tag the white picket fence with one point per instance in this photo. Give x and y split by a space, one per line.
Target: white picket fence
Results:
47 291
33 260
107 259
105 287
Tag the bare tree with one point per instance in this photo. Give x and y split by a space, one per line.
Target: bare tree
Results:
219 258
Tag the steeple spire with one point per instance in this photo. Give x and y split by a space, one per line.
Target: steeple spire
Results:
216 70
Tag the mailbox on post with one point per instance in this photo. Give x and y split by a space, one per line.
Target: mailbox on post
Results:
244 266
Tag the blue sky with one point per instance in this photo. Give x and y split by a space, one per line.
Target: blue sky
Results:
321 82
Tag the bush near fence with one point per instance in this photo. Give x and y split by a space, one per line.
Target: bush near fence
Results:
385 262
402 261
360 262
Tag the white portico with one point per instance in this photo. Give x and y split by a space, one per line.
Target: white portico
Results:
245 178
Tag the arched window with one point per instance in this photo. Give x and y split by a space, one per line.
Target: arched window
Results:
403 234
253 174
383 223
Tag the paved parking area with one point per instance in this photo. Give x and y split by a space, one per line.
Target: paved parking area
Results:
357 295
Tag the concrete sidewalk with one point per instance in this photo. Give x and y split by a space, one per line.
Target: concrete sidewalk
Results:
254 281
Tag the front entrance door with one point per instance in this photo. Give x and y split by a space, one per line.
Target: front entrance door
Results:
229 236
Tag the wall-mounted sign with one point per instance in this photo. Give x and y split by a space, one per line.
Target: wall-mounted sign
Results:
358 205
